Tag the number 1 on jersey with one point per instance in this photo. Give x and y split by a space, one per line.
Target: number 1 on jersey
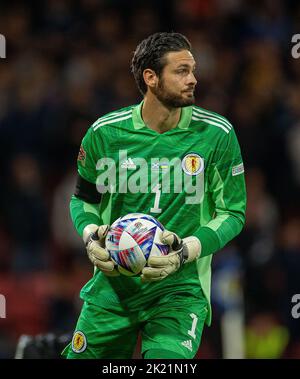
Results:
157 192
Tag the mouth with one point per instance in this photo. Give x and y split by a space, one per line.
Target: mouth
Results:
190 91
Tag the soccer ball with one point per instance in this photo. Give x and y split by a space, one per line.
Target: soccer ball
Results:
132 239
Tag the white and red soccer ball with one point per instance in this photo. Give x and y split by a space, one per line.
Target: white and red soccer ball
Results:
132 239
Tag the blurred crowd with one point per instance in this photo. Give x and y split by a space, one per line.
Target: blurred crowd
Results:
67 63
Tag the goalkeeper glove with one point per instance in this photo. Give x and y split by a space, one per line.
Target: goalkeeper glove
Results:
94 239
181 251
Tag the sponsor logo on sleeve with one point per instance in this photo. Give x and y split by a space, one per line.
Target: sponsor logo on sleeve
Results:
237 170
81 156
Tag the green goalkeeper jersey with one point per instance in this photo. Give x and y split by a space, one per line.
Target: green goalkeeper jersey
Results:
191 178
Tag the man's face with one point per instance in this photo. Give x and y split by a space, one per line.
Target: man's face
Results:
177 82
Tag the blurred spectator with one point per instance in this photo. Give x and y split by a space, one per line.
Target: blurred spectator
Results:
289 261
257 243
64 232
26 216
265 337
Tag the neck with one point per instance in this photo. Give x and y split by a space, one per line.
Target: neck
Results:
157 116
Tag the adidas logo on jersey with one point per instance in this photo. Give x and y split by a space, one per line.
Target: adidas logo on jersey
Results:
187 344
129 164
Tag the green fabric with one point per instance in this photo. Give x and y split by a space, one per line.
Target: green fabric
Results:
138 122
162 354
112 333
83 214
209 240
210 204
228 195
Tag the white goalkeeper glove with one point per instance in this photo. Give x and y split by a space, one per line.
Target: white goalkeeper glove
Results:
181 251
94 239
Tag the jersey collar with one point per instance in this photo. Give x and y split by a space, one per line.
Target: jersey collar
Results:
184 122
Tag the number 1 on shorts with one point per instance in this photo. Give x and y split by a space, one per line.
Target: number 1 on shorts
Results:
194 324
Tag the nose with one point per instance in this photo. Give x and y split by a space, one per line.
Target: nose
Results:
192 79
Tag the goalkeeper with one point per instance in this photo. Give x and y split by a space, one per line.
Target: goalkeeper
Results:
169 303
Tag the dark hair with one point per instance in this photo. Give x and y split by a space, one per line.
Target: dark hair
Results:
151 51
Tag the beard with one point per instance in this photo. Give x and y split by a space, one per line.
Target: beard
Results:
171 99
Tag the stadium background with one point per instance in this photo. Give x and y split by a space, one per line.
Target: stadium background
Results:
67 63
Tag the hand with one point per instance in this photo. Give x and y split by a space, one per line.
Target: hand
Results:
94 238
181 251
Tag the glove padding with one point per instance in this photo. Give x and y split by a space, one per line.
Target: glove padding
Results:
94 238
181 251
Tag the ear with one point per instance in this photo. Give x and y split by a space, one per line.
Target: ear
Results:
150 78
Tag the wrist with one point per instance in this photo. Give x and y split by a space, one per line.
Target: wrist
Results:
88 231
191 249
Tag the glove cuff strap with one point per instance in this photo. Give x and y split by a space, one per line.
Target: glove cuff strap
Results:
185 254
88 231
191 249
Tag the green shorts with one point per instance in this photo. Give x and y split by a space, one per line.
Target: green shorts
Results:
168 331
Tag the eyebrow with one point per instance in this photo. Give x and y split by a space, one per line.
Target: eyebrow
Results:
185 65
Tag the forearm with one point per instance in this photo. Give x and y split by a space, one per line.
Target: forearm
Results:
218 232
83 214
